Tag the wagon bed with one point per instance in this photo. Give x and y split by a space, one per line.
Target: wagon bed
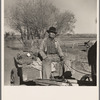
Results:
26 73
66 82
55 82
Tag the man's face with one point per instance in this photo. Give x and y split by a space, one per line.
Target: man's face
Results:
52 35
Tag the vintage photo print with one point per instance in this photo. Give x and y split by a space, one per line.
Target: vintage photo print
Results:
50 45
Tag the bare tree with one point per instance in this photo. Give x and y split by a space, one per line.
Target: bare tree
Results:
66 22
31 18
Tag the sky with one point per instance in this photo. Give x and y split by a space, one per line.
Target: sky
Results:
85 12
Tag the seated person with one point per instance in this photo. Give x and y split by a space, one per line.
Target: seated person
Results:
50 51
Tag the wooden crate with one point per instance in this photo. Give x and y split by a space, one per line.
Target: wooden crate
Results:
30 73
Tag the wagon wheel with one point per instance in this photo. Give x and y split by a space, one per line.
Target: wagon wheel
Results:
86 77
15 79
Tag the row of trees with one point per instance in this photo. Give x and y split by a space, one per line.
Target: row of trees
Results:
33 17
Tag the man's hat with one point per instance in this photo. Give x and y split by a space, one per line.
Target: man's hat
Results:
52 29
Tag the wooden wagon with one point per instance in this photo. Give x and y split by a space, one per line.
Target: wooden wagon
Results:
23 73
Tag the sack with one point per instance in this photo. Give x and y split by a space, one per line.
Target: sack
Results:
25 58
37 64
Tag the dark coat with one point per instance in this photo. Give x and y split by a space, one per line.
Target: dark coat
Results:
92 59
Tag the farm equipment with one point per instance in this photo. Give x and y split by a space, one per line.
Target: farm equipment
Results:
24 71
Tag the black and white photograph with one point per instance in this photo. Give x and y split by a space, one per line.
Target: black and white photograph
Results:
50 43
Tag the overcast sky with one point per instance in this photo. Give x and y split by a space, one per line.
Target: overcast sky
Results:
84 10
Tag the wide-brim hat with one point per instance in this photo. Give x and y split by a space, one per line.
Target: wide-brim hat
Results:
52 29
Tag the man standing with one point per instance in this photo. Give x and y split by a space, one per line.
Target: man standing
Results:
50 51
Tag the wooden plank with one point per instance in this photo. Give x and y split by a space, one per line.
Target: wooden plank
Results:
46 82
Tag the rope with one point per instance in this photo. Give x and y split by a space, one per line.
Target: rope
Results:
79 71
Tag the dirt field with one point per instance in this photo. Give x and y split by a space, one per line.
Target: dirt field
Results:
70 47
8 62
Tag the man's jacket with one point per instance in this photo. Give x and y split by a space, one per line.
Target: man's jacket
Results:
44 48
